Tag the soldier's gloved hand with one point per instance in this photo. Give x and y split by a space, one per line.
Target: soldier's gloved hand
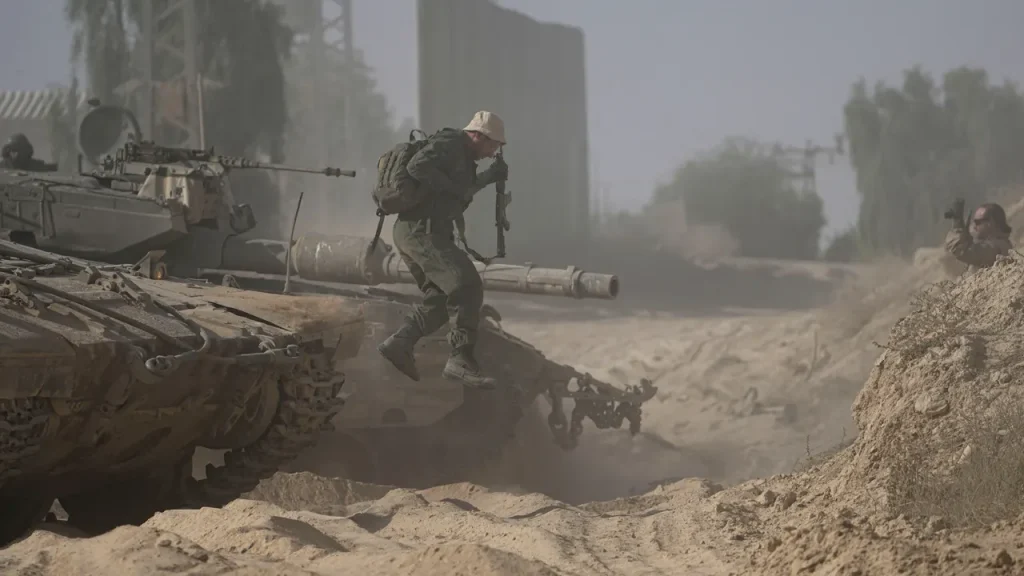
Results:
955 212
497 171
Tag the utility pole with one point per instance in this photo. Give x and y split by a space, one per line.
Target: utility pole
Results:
801 161
167 92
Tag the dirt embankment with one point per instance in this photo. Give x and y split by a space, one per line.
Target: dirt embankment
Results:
929 486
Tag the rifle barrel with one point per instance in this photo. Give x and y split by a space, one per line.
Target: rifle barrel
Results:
231 162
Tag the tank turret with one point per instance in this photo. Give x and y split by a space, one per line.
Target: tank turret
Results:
137 197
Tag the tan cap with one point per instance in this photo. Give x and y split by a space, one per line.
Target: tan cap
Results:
489 124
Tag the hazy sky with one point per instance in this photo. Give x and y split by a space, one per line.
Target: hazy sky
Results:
668 78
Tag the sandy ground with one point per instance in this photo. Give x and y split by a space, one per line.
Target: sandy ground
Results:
733 473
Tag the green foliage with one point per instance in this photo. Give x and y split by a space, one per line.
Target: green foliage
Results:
355 88
245 44
748 190
916 148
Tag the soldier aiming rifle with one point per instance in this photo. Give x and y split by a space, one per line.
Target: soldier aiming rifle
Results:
980 241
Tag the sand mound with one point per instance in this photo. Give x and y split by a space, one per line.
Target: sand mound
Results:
469 560
126 550
840 546
401 533
305 491
946 367
932 483
459 529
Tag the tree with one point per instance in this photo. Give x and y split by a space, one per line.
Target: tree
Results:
99 40
916 148
357 146
245 45
745 188
843 247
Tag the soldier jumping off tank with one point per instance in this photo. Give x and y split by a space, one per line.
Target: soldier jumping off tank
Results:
424 236
979 242
17 155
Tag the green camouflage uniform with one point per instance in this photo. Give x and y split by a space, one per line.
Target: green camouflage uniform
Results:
425 239
976 253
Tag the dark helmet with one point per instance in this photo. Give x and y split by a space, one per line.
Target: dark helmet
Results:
996 214
20 143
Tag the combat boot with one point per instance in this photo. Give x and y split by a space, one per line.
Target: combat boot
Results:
462 365
398 349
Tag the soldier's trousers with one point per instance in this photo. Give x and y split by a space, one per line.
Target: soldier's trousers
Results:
445 275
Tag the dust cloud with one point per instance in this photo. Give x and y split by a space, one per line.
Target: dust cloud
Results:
749 459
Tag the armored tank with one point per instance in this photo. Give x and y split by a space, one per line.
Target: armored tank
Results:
419 434
112 380
170 212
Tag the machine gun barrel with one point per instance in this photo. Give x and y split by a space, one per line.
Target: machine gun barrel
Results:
235 162
349 260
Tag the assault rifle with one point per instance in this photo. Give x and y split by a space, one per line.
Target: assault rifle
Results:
501 202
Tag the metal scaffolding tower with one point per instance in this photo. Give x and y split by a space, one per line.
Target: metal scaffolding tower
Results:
330 43
168 94
168 90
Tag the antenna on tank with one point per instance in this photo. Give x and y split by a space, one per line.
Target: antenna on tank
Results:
291 243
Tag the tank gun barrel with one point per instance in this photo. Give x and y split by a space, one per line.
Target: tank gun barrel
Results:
235 162
349 260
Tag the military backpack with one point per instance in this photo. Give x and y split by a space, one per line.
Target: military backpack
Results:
397 192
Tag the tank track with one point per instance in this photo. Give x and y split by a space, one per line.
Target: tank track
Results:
307 399
470 439
22 428
307 403
488 421
463 443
